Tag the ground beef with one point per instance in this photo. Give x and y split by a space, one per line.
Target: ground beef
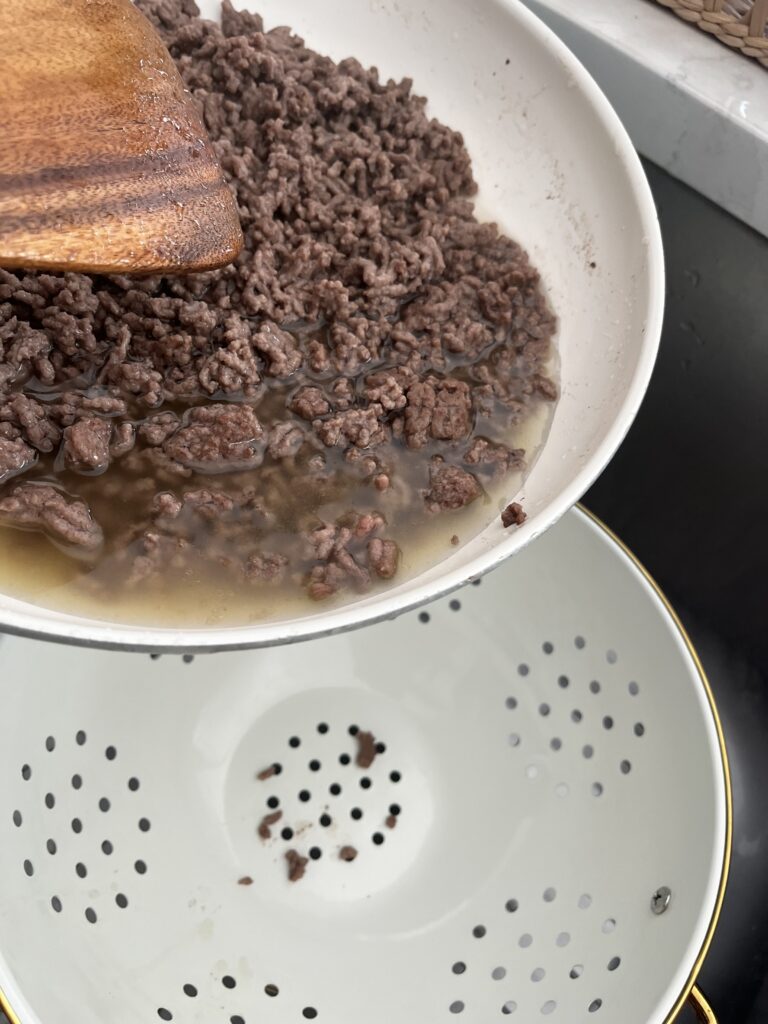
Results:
39 507
498 457
85 446
451 487
297 865
366 749
215 438
373 343
265 825
513 515
15 456
383 556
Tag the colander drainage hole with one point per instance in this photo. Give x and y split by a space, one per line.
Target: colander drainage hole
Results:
56 904
121 900
80 738
104 805
522 669
273 803
335 789
479 931
294 742
499 973
133 784
50 801
609 925
325 820
90 916
377 838
576 971
190 990
188 659
549 1007
511 703
309 1012
555 743
236 1019
365 782
594 687
537 974
547 647
50 845
81 870
140 867
424 617
322 728
26 772
549 895
563 939
634 689
509 1007
595 1005
563 682
511 906
271 990
29 869
77 782
315 853
456 1007
77 826
639 729
459 967
164 1014
287 834
626 767
50 744
17 819
576 715
144 824
344 759
228 981
314 766
110 753
579 642
455 606
525 940
305 796
395 776
585 901
613 963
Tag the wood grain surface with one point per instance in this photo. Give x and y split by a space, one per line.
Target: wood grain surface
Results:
105 164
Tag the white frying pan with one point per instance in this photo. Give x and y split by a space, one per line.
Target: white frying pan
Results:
544 830
557 171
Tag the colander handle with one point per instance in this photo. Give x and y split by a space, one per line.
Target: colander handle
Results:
701 1007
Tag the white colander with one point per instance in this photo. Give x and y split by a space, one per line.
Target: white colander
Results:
544 831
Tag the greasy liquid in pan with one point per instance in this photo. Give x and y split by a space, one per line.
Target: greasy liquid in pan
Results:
206 595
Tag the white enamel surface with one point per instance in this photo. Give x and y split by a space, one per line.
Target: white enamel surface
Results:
694 106
484 818
558 172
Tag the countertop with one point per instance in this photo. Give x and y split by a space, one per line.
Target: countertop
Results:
691 104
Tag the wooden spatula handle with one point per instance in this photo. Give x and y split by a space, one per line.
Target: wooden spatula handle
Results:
105 164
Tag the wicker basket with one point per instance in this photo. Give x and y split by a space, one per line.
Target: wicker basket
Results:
742 24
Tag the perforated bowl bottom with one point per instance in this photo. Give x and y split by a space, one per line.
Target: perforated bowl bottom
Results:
545 759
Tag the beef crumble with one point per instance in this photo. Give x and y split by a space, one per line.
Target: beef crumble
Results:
284 421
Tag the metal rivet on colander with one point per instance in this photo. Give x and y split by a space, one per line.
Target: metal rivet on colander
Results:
661 899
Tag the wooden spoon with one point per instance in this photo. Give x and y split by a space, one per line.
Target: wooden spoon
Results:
105 165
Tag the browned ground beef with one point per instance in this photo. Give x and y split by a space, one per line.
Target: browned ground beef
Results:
370 349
